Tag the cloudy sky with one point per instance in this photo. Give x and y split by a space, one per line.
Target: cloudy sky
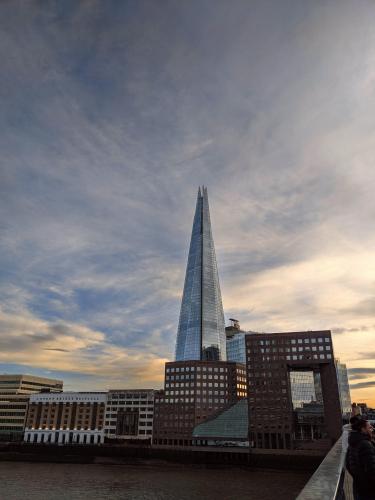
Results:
114 112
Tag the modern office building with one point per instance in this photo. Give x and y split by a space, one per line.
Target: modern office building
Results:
129 415
66 418
287 372
15 391
236 342
344 390
201 329
193 391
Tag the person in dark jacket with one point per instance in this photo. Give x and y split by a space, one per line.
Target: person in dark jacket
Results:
360 459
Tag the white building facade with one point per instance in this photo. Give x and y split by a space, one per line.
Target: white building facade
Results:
129 414
66 418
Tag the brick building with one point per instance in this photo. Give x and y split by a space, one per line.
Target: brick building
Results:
66 418
284 372
193 391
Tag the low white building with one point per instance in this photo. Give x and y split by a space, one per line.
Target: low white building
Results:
129 414
66 418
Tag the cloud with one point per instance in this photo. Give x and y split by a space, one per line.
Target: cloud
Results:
362 373
366 355
365 307
56 349
362 370
287 296
363 385
362 328
358 377
28 340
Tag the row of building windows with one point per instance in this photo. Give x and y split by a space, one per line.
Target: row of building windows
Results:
66 403
11 427
265 381
313 356
198 377
195 400
64 427
270 374
178 369
198 392
268 358
132 409
12 406
52 411
18 421
113 423
41 385
141 431
12 413
13 397
129 396
199 384
130 403
307 340
58 400
65 420
294 349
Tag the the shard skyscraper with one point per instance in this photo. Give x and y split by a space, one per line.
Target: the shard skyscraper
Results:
201 329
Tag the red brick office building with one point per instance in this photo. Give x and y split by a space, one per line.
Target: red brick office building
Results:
193 391
271 358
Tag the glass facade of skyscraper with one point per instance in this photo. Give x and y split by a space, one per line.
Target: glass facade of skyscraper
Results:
236 348
201 329
344 391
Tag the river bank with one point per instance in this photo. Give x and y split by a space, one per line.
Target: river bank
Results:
136 455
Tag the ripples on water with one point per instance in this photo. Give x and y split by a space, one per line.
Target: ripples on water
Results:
42 481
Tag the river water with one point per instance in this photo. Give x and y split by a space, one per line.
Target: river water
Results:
44 481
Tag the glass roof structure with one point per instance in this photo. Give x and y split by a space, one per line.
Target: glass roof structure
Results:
231 424
201 329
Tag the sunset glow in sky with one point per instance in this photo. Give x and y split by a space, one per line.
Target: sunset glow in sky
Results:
113 113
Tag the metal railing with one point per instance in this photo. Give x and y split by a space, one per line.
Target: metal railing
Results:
331 481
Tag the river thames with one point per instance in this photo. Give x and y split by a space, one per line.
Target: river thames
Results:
44 481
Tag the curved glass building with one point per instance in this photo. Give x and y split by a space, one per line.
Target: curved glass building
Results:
201 329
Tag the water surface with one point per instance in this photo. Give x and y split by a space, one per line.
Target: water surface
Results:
43 481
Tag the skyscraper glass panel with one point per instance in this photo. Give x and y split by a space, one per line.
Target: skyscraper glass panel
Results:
344 391
201 329
236 348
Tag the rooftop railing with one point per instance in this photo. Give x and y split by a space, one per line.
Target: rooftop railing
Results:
331 481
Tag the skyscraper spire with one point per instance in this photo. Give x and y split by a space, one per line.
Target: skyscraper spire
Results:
201 329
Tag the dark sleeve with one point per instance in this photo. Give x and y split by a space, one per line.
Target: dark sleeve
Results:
367 457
